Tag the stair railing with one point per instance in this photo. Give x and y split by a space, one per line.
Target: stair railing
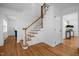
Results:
38 19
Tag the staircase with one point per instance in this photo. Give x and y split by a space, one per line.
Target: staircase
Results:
33 30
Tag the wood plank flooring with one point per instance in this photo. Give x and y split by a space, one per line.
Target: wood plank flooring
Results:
68 48
11 48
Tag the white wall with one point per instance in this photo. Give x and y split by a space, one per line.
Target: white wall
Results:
52 27
51 32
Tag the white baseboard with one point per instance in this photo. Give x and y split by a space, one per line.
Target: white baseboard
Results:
53 45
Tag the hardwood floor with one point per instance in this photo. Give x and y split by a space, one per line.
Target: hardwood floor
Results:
1 50
11 48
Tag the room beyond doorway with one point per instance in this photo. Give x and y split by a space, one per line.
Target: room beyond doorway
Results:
70 27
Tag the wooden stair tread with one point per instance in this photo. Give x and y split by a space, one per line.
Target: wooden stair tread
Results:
31 35
36 30
33 32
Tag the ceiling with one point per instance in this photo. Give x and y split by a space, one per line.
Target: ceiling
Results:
19 7
29 6
62 6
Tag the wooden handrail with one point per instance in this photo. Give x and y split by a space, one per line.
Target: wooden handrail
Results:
32 23
44 4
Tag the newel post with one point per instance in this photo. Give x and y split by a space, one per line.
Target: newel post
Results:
25 35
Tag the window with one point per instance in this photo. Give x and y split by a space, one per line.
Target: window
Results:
4 25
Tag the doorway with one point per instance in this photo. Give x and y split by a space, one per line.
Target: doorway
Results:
70 29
